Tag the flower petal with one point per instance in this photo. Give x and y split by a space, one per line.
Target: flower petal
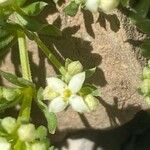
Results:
56 84
58 104
76 82
78 104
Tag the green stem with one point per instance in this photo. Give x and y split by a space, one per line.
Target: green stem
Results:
24 56
24 113
49 54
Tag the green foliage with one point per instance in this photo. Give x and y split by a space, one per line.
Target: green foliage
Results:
50 116
34 9
72 8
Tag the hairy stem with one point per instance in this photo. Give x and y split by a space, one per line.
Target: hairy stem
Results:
49 54
26 73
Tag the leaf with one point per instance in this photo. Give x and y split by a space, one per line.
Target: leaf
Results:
51 120
145 49
21 2
50 30
89 89
142 23
15 80
35 26
142 8
71 9
50 116
125 3
89 72
34 8
5 41
3 33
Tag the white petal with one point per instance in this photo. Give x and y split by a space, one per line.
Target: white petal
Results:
58 104
56 84
78 104
76 82
92 5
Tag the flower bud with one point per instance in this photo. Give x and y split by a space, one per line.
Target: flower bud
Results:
27 132
108 5
38 146
4 144
49 94
92 5
41 132
74 68
146 73
10 93
147 99
4 3
145 87
91 102
9 124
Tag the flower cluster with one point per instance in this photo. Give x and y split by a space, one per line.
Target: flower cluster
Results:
26 136
61 94
145 85
104 5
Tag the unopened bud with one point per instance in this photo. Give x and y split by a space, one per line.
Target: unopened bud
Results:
41 132
145 87
9 124
91 102
108 5
4 144
146 73
27 133
10 93
38 146
74 68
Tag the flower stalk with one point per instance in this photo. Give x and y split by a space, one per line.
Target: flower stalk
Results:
26 73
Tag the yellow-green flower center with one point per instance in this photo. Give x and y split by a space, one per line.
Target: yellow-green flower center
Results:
67 93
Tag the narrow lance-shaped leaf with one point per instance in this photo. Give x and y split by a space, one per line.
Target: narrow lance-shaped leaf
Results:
34 8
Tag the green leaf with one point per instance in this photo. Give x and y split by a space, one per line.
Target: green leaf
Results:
71 9
51 120
89 89
142 8
89 72
21 2
50 116
15 80
35 26
50 30
142 23
125 3
3 33
145 49
34 9
5 41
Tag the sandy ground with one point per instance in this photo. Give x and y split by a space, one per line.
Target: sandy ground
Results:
96 40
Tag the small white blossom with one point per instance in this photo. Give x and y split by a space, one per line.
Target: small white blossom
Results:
92 5
108 5
4 144
68 94
27 132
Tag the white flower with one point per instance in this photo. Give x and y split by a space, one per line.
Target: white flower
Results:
68 94
108 5
92 5
5 2
4 145
27 132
